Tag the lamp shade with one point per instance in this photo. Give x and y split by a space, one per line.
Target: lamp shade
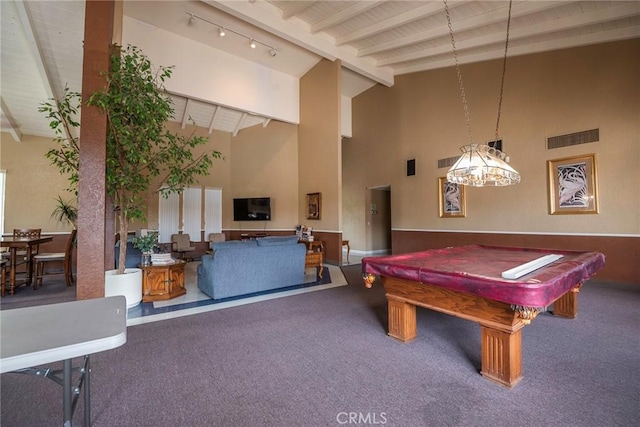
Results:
480 166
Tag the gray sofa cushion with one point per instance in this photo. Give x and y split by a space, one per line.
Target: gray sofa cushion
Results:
277 240
234 244
134 254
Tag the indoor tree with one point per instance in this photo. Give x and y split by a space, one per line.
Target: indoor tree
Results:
140 150
63 119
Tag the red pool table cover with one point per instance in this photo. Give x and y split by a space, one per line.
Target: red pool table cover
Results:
477 269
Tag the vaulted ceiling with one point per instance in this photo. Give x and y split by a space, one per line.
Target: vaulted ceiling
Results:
41 45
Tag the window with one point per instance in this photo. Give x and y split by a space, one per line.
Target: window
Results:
3 174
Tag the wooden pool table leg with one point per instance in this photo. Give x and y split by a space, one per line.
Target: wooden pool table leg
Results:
567 304
402 319
501 356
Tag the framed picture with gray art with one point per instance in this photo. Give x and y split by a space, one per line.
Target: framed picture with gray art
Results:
573 185
451 199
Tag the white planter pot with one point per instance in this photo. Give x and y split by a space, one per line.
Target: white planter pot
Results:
128 284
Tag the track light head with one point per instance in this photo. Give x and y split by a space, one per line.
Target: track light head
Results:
222 31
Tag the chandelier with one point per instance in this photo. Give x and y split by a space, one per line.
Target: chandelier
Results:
481 165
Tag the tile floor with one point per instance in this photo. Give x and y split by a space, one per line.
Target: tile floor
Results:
195 301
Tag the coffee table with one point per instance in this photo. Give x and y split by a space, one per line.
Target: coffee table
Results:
163 281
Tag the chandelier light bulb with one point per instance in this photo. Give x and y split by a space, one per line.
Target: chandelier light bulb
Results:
221 32
481 165
253 44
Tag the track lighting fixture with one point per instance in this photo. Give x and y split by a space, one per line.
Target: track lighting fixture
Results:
222 31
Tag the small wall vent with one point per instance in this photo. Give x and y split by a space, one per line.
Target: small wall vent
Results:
576 138
448 162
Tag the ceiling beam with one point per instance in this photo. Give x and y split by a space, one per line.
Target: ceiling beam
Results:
8 122
543 46
353 10
185 114
295 7
424 11
492 17
36 49
555 26
267 17
216 108
239 124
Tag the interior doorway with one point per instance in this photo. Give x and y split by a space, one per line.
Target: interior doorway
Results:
379 220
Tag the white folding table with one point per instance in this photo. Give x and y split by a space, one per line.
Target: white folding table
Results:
35 336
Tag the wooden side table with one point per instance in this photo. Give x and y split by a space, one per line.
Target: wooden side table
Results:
163 282
314 259
315 245
346 243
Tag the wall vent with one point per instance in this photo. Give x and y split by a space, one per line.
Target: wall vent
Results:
576 138
448 162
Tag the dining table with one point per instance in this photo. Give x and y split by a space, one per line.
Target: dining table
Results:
14 244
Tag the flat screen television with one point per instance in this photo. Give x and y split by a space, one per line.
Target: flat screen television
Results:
252 209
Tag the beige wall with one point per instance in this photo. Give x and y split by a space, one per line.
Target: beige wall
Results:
320 155
265 164
32 184
420 117
546 94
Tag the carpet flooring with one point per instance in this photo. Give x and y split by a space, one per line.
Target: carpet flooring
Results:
324 359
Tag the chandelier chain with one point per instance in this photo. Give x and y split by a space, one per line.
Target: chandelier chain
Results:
504 70
460 83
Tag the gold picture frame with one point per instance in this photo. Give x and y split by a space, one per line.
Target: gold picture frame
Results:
573 185
451 199
314 205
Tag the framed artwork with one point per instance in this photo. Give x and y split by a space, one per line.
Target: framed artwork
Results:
573 185
451 199
313 206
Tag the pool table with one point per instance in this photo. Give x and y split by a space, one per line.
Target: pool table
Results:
467 282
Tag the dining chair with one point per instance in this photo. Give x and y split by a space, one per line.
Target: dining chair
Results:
4 264
66 258
25 256
215 238
26 232
181 243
